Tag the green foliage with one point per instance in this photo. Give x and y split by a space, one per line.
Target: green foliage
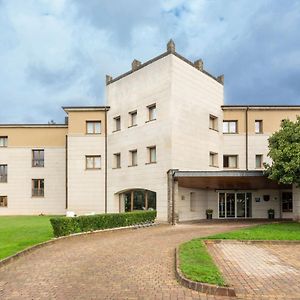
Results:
284 150
64 226
196 264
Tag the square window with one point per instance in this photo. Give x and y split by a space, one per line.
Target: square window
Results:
3 141
258 126
3 173
93 127
230 161
3 201
229 126
93 162
152 112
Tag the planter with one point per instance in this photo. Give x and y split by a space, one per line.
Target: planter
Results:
209 216
271 215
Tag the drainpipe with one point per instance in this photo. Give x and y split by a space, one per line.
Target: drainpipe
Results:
105 173
247 109
173 198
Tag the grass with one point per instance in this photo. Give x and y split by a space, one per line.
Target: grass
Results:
20 232
277 231
196 264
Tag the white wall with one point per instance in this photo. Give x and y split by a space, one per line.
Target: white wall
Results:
18 189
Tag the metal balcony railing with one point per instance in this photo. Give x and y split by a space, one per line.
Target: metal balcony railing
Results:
38 192
38 163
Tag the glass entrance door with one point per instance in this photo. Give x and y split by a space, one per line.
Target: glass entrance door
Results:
235 205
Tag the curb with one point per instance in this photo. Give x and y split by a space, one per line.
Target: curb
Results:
25 251
201 286
268 242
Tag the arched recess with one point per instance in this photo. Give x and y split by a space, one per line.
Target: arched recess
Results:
136 199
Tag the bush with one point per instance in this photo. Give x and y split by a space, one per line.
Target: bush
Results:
64 225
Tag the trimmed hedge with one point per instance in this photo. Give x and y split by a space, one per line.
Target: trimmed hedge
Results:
65 225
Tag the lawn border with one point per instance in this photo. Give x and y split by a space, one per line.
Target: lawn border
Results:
202 287
32 248
269 242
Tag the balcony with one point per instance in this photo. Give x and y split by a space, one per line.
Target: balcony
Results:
38 163
38 192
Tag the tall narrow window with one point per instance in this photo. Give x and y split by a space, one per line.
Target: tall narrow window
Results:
213 122
93 162
152 112
287 201
230 161
152 154
213 159
117 160
117 123
93 127
3 173
133 158
37 187
38 158
133 118
3 201
3 141
258 126
229 126
258 161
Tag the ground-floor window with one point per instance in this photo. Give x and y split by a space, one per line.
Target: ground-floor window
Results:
287 201
3 201
137 200
235 205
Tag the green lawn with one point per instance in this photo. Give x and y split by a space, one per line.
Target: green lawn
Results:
196 264
20 232
276 231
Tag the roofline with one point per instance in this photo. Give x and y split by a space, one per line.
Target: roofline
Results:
158 58
262 107
33 125
240 173
85 108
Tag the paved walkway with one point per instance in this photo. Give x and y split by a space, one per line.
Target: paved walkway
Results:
260 271
131 264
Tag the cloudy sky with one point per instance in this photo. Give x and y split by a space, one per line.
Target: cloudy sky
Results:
57 52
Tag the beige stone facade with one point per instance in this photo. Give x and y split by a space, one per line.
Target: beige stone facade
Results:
164 116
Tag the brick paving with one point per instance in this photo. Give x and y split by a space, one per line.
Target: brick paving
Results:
130 264
260 271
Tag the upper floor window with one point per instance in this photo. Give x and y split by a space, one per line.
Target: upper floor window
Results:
93 127
3 173
38 158
258 161
3 141
152 112
230 161
3 201
133 118
152 154
37 187
133 158
117 123
258 126
213 122
213 159
93 162
229 126
117 160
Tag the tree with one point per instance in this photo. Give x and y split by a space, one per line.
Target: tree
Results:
284 150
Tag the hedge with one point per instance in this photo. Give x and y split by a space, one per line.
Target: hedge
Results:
66 225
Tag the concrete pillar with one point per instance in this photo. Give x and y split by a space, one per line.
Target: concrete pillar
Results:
296 203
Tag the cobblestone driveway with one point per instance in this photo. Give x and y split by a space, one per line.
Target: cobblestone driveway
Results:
131 264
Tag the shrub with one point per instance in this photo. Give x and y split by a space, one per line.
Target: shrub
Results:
64 225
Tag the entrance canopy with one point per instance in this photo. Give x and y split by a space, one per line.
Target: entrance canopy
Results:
226 180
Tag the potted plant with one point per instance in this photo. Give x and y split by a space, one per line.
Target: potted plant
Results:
209 213
271 213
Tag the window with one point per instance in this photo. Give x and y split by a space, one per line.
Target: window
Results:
37 187
213 122
93 127
152 112
193 202
230 161
38 158
3 201
117 123
133 118
3 173
258 161
258 126
117 160
152 154
287 201
229 126
133 158
3 141
213 159
93 162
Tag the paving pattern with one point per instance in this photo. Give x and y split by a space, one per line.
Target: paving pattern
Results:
260 271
